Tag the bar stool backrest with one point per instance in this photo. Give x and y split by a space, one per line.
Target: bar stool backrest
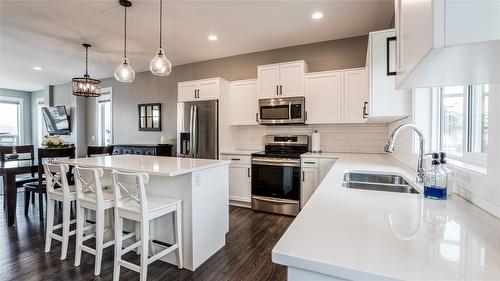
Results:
88 184
56 177
129 188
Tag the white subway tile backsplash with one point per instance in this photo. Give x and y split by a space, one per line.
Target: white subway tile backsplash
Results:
356 138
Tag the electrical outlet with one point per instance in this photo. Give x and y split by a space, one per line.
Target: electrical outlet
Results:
196 180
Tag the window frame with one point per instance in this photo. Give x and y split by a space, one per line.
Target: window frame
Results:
20 115
468 156
106 96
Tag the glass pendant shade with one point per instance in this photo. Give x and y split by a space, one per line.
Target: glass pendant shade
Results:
86 86
124 72
160 65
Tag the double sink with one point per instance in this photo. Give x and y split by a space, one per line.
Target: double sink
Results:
378 182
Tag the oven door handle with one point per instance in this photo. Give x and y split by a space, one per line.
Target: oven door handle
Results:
276 200
276 162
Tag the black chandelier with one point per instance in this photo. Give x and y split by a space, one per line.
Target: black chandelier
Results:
86 86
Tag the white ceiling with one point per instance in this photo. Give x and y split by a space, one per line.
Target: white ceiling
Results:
49 33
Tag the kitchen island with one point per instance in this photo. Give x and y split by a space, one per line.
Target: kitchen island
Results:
203 186
354 234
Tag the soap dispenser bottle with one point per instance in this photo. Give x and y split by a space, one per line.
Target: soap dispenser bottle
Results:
435 182
447 172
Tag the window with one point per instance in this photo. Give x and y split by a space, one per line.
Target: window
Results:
11 122
452 119
40 126
104 118
462 122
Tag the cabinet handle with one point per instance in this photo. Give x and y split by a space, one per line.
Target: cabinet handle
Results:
308 162
281 90
303 176
277 90
365 108
194 93
248 172
235 159
198 93
257 117
305 116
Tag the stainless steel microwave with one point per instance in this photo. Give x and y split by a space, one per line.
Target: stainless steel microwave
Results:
282 111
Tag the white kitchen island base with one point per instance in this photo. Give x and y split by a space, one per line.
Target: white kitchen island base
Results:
203 186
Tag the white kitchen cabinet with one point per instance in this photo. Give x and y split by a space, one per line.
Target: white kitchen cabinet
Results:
355 95
309 184
186 91
281 79
205 89
240 179
244 102
314 170
386 104
324 97
447 42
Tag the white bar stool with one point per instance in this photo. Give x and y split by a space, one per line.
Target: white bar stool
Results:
132 203
90 196
58 190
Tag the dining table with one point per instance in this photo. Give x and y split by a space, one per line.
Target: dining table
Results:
9 170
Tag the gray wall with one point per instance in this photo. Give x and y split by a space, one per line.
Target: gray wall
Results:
77 109
26 96
335 54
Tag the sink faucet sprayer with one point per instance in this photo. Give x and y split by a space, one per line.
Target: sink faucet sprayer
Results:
389 148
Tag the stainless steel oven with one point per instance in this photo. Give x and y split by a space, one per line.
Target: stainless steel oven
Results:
281 111
276 174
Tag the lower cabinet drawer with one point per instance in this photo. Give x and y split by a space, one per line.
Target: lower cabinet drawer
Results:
237 159
310 162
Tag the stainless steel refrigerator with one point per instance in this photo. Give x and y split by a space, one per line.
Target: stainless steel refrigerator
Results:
198 129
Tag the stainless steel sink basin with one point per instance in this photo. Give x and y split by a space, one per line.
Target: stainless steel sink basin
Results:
379 182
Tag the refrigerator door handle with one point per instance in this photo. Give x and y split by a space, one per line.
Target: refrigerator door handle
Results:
195 131
191 111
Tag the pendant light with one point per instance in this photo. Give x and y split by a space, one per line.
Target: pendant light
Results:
86 86
160 65
124 72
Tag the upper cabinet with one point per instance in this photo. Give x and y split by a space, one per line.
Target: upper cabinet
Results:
281 79
386 104
447 42
244 102
324 97
205 89
355 96
339 96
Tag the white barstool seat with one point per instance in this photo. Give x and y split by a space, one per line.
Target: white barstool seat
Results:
58 190
132 203
90 196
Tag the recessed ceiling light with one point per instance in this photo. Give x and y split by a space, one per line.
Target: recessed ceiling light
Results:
213 37
317 15
37 68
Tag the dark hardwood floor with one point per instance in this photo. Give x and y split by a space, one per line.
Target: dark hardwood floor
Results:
246 256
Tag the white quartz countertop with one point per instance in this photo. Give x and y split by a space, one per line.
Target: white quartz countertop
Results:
153 165
239 152
372 235
320 155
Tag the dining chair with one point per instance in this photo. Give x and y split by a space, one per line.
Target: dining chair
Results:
44 155
16 153
132 203
91 196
